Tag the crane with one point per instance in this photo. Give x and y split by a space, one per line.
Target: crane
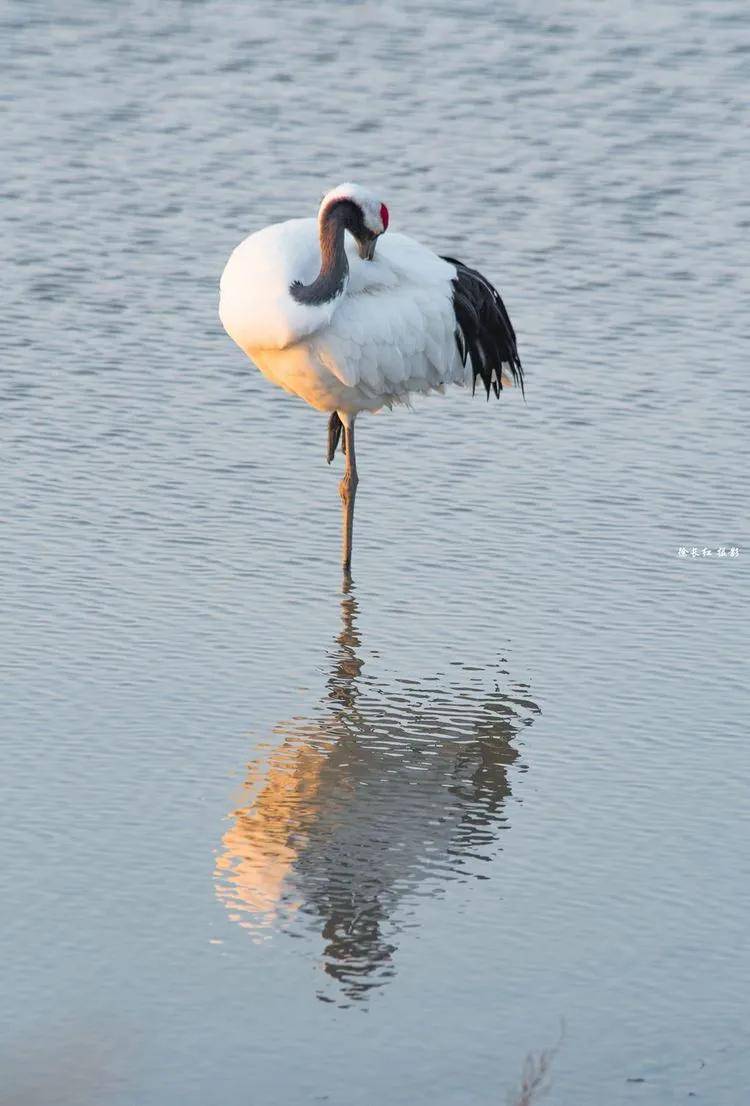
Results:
352 319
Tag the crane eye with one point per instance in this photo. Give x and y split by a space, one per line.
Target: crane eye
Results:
384 216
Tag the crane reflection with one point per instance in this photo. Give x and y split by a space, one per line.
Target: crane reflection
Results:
392 789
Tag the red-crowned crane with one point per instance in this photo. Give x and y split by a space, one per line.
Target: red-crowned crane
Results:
348 329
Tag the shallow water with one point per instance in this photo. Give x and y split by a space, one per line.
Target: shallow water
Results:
269 841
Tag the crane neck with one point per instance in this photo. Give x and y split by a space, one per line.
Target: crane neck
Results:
334 267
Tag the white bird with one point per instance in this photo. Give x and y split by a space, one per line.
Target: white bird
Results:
349 329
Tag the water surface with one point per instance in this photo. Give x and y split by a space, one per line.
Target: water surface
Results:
269 841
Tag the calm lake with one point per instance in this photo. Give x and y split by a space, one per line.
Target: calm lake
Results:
267 840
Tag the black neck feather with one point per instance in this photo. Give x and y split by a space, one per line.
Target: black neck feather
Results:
334 267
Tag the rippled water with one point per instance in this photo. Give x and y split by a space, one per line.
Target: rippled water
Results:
393 782
502 782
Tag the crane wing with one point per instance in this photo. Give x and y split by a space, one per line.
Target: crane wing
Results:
394 331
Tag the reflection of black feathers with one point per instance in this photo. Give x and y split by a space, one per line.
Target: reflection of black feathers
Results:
484 331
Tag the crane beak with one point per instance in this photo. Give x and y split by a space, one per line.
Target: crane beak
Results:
366 247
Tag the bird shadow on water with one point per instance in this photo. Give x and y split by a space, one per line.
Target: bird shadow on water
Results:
391 789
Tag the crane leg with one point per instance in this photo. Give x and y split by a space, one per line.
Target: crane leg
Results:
335 428
348 492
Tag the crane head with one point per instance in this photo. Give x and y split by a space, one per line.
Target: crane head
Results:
368 217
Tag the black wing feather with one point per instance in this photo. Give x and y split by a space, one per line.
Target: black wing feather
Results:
484 331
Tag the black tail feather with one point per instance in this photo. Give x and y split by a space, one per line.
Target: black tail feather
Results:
484 332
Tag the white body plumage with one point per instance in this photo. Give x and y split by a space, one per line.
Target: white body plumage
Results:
390 332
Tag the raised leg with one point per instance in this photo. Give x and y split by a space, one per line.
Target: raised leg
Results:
348 491
335 426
